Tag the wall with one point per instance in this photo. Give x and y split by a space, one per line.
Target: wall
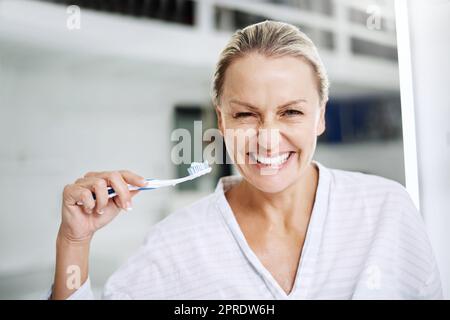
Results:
430 48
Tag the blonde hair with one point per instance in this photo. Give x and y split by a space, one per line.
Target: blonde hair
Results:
272 39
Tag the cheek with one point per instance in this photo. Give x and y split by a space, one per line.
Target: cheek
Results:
238 133
240 140
301 136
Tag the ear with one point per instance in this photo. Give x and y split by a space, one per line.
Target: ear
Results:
322 125
219 119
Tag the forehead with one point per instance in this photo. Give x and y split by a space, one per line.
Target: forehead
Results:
258 77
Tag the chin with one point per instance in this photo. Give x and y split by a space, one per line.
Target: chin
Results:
267 186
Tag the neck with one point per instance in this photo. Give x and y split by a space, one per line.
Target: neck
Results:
285 207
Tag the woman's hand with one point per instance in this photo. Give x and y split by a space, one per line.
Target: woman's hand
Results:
82 216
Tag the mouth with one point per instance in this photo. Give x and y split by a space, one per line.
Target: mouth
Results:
275 161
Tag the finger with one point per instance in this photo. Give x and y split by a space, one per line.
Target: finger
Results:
68 195
115 180
99 187
129 176
133 178
78 195
121 188
93 174
133 193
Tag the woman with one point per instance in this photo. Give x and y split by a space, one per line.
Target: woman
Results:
288 228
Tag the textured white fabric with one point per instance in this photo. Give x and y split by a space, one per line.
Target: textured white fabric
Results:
365 240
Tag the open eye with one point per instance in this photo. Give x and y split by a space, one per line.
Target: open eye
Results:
292 112
243 114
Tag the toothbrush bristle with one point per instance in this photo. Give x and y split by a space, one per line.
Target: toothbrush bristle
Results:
196 167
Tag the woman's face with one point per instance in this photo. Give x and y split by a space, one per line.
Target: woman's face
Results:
270 115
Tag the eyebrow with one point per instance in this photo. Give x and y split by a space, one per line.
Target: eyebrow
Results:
287 104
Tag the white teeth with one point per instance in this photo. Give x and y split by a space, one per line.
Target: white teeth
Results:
273 161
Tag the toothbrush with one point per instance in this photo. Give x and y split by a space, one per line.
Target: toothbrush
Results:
196 170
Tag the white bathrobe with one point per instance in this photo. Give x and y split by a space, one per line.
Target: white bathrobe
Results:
365 240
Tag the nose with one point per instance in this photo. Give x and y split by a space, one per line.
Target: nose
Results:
268 138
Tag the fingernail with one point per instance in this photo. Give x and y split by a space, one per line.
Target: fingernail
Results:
128 206
79 203
100 211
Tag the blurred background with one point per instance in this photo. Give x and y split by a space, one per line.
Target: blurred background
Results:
102 85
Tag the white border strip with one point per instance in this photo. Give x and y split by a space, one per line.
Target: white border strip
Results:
407 101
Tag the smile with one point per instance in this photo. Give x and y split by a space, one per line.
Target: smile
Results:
277 160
